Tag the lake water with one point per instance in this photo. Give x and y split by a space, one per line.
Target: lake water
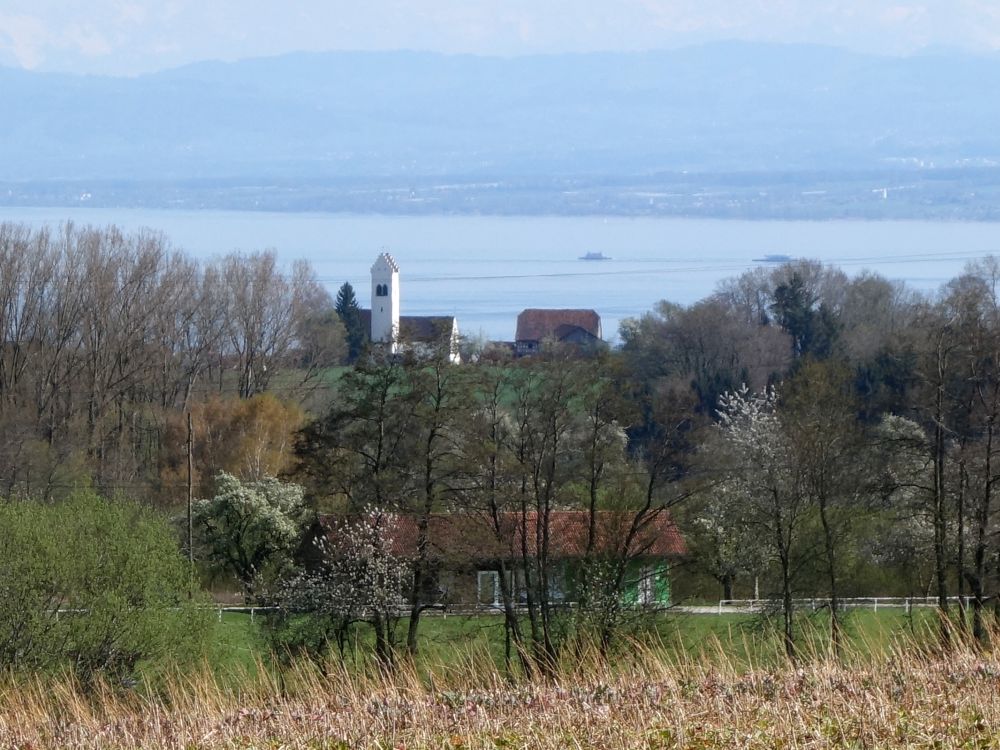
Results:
486 269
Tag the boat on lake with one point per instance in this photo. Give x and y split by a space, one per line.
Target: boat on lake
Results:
774 258
595 256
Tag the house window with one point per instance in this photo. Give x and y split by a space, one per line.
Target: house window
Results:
653 585
557 581
647 585
488 586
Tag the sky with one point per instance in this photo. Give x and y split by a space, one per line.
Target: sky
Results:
129 37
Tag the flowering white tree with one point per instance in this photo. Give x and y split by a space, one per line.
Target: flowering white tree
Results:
726 546
360 579
907 542
248 527
760 473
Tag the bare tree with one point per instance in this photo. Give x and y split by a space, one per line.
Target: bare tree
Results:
830 454
441 405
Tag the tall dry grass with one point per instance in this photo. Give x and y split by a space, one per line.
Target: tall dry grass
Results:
907 696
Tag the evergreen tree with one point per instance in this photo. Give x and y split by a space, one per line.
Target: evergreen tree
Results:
813 329
350 315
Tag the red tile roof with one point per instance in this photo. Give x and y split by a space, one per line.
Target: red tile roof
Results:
535 324
470 537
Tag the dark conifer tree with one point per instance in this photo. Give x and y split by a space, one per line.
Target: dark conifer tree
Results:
350 315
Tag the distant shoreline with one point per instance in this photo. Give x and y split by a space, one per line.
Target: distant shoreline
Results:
265 210
936 195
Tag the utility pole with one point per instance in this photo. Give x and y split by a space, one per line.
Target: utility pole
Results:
190 503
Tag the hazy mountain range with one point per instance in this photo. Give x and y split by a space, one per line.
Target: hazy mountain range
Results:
402 120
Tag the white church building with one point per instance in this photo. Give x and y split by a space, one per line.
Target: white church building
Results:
399 332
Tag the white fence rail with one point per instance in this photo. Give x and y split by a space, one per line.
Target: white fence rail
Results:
756 606
725 606
246 610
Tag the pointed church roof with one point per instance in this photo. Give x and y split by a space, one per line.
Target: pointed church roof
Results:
385 261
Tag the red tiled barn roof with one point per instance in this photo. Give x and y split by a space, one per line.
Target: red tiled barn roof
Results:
535 324
461 537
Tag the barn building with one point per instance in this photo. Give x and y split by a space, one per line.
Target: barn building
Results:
578 327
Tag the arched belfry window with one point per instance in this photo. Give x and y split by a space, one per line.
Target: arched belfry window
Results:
381 290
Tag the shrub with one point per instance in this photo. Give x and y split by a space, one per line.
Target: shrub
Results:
94 586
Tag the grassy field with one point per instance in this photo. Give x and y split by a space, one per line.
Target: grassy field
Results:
907 694
743 641
749 640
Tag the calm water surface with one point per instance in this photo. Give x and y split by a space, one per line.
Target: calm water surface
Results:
486 269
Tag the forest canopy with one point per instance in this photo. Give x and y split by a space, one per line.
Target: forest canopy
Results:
811 433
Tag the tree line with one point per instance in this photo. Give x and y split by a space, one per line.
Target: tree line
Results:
108 336
813 434
848 443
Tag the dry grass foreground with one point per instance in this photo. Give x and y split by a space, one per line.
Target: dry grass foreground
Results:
907 697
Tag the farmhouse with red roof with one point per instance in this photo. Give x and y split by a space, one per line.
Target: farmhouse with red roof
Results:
567 326
465 551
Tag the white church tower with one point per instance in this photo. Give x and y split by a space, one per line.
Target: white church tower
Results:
385 301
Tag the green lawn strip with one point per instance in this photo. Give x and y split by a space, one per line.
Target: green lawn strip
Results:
746 641
237 649
755 640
